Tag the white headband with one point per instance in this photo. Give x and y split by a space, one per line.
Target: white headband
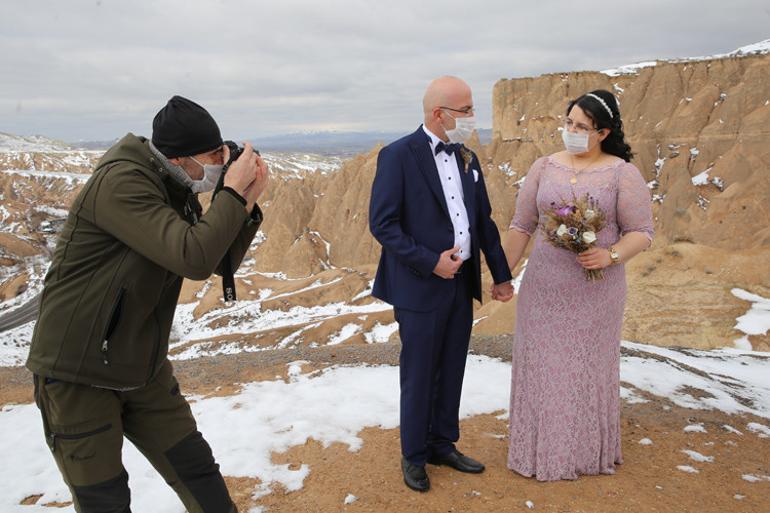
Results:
604 104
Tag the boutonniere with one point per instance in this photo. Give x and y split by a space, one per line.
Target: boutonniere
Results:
467 156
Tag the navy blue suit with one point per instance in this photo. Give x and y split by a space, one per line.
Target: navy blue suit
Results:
408 216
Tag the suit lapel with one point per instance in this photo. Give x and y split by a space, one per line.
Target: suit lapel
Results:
427 165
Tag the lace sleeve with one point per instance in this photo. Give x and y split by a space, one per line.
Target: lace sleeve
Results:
526 215
634 210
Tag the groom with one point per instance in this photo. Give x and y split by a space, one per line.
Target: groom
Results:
430 212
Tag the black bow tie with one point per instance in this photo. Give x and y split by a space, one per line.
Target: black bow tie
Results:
447 148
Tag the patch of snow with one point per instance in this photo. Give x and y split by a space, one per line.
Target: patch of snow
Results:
517 280
380 333
245 430
345 333
364 293
761 430
506 169
757 320
753 478
696 456
476 321
701 178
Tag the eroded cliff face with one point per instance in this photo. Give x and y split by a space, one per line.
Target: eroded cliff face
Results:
700 133
681 119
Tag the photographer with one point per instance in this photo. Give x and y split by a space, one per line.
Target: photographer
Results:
99 350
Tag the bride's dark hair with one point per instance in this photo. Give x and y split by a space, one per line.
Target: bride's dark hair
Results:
614 143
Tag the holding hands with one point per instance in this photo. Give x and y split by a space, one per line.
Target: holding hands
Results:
502 291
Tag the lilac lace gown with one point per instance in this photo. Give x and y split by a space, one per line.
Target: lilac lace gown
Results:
565 390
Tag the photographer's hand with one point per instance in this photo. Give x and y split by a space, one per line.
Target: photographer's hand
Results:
242 173
259 185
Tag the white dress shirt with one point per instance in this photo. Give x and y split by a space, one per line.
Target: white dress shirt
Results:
449 176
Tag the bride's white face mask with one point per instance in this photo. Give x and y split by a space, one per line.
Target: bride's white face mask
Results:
574 142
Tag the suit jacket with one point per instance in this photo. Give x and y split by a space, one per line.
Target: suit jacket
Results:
408 216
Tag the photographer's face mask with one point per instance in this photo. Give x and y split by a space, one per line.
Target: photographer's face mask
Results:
211 174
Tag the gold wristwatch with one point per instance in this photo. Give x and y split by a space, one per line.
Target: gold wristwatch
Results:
614 256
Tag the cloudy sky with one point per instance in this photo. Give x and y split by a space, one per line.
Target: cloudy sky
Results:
94 70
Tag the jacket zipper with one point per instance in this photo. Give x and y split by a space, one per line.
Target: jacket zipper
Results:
155 346
111 325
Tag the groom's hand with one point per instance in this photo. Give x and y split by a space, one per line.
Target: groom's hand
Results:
502 291
448 264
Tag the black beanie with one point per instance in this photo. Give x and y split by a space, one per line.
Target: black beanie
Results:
183 128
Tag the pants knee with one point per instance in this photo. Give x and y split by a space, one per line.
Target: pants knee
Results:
194 463
111 496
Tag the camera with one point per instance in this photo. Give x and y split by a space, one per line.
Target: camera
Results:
228 281
235 152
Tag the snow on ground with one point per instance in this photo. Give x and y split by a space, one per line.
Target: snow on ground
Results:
517 279
754 322
14 345
345 333
71 178
273 416
629 69
735 381
701 178
364 293
244 429
381 333
696 456
35 268
299 164
248 317
10 143
759 48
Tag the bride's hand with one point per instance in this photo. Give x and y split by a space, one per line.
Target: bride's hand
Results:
595 258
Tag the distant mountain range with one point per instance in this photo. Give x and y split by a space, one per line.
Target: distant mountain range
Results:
339 144
342 144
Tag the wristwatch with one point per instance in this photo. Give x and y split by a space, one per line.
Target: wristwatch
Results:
614 256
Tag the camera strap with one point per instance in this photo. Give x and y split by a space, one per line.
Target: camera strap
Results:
228 280
226 265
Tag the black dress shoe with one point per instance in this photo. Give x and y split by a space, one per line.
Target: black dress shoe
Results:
458 461
415 476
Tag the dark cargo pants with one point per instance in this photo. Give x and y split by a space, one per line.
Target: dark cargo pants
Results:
85 426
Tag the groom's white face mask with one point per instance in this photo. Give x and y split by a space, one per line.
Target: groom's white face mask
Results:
463 129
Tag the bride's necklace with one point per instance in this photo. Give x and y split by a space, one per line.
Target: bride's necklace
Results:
575 171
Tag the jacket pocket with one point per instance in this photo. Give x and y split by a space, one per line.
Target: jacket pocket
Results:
76 447
85 434
117 309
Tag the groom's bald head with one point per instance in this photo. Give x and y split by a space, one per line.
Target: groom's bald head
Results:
443 92
446 99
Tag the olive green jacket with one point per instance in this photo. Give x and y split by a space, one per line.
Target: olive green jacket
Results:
132 234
